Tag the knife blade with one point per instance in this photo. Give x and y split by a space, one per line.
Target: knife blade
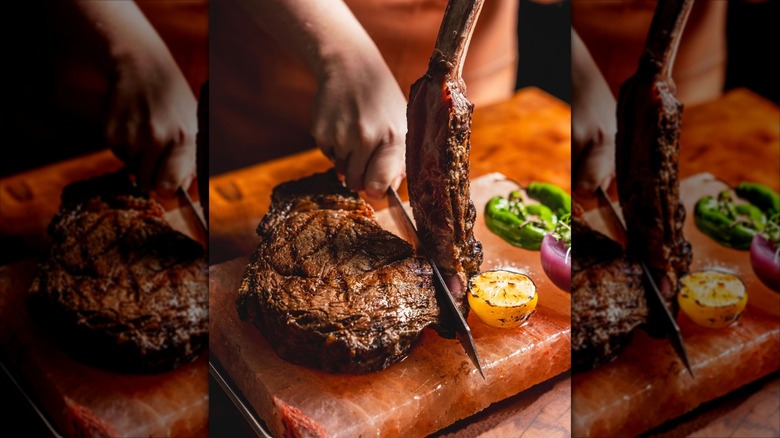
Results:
185 201
30 402
669 325
255 423
409 231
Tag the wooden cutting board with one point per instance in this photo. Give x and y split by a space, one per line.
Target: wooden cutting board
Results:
434 387
736 138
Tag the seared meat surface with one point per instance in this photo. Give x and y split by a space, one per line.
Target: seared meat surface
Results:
648 150
608 299
328 287
437 155
120 288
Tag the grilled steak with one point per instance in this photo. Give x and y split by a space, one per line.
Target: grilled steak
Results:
648 145
437 155
608 299
328 287
120 288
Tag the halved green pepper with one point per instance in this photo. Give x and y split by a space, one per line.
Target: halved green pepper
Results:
761 196
732 225
525 225
524 233
550 195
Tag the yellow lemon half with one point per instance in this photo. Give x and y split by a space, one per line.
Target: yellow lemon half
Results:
502 299
712 299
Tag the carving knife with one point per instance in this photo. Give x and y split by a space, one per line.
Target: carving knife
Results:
46 423
669 325
216 372
463 332
186 203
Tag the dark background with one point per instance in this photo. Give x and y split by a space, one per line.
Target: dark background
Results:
544 47
752 36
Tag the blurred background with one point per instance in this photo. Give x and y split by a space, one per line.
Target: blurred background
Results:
544 46
752 35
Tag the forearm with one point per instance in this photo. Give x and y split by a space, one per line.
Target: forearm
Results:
584 70
121 28
358 111
150 120
593 122
317 32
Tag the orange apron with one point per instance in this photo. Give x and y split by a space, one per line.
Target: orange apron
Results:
261 96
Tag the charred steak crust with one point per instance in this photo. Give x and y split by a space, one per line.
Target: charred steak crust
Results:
647 157
328 287
120 288
438 147
608 298
648 176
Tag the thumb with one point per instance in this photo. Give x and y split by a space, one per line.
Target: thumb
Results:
386 168
177 166
596 168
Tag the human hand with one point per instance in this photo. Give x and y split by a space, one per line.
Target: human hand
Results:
151 117
359 111
359 120
594 123
151 120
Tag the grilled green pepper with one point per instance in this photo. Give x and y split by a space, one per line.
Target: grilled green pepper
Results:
520 225
761 196
732 225
550 195
525 225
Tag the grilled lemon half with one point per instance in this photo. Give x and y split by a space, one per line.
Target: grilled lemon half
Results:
712 299
503 299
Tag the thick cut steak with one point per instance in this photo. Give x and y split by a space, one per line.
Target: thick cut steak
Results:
120 288
437 154
328 287
608 299
647 154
